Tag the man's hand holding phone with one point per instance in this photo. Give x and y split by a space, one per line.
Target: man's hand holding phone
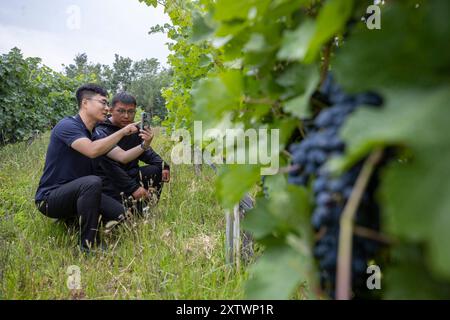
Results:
147 137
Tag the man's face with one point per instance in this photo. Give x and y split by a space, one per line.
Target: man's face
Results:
123 114
97 107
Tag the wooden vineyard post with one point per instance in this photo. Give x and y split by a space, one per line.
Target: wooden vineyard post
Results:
237 236
238 244
229 255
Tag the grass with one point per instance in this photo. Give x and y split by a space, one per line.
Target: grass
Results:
177 252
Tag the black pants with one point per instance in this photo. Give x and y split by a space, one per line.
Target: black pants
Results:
147 176
152 177
82 198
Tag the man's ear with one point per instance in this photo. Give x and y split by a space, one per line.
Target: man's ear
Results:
83 104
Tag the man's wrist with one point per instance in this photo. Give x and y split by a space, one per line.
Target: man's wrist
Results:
144 146
122 132
136 189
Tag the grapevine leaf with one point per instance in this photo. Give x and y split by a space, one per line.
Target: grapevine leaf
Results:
201 28
226 10
305 42
301 81
205 60
410 49
153 3
295 43
256 43
332 19
275 183
214 97
234 181
276 274
408 263
267 219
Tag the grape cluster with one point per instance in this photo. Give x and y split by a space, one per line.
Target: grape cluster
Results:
331 193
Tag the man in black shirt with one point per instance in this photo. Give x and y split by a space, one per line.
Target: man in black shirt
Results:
68 186
130 178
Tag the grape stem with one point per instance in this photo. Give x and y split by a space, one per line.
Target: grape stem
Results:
362 232
326 62
372 235
289 168
343 283
302 132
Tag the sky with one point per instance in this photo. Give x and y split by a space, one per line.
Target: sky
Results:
57 30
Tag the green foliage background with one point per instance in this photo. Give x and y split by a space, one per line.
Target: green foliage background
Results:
33 98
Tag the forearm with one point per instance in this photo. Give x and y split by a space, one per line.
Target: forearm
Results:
102 146
125 157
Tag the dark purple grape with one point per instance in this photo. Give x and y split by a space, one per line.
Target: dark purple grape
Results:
310 168
323 199
321 216
369 98
324 119
319 184
298 180
332 193
336 185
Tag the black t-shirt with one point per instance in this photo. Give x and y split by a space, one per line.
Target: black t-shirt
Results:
62 163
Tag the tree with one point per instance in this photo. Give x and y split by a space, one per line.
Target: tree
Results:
147 85
122 74
144 79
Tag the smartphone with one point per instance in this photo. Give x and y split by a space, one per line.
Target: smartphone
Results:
145 120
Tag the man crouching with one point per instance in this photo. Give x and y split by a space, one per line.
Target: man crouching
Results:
122 180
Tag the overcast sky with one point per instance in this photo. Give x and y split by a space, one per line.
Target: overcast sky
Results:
56 30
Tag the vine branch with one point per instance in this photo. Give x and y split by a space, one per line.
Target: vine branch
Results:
343 284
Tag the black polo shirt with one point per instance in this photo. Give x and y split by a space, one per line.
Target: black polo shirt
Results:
62 163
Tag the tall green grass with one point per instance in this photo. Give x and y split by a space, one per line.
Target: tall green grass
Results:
176 252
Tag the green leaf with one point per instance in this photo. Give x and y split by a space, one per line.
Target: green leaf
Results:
256 43
407 263
275 183
331 20
295 43
276 274
202 27
226 10
411 49
266 219
234 181
301 81
214 97
305 42
205 60
153 3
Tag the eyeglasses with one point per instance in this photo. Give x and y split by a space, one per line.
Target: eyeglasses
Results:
129 112
104 102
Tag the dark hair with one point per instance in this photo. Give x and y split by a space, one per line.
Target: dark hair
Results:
123 97
89 90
